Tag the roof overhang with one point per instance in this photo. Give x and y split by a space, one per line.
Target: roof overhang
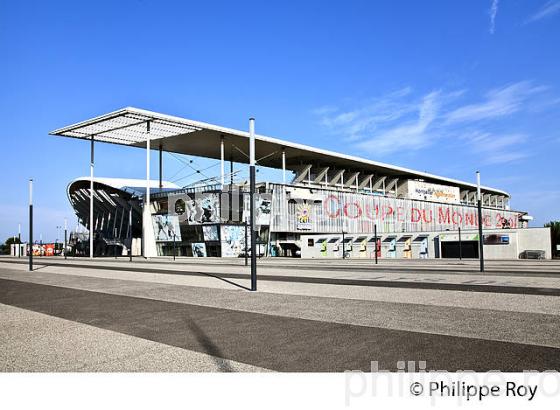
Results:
129 126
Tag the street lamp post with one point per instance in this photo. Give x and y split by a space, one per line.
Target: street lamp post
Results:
343 246
460 246
246 246
65 237
375 238
252 204
31 225
480 236
174 246
130 232
19 240
58 227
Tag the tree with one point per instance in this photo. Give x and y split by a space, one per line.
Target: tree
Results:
5 248
554 235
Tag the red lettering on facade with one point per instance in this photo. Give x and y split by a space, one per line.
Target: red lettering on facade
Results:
470 219
457 218
400 214
330 200
425 217
368 212
444 217
357 208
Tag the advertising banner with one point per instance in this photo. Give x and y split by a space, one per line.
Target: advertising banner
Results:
355 213
195 209
233 240
426 191
166 227
262 210
210 233
199 249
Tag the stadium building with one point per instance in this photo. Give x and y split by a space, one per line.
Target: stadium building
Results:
325 204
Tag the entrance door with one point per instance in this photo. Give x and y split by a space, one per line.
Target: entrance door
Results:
450 249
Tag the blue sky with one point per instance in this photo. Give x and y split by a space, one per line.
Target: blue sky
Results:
439 86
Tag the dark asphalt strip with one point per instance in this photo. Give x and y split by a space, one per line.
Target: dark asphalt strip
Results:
274 342
417 284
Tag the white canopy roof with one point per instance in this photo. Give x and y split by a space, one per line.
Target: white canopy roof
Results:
129 126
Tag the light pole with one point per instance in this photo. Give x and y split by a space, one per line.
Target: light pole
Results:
19 241
130 231
252 204
343 246
65 236
375 238
480 237
31 225
246 248
460 246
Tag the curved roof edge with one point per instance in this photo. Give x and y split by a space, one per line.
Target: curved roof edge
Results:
140 116
122 183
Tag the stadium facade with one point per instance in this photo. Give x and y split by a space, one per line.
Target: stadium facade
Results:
332 203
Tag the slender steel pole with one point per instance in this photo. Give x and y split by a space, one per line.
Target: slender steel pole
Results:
480 235
222 163
375 237
343 246
246 244
130 232
91 165
19 240
65 237
460 246
252 204
160 167
31 225
284 166
146 211
174 246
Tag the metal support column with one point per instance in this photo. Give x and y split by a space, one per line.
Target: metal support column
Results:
65 237
246 246
375 238
31 225
91 164
284 166
343 246
480 235
146 211
222 163
130 232
19 240
252 204
460 246
160 167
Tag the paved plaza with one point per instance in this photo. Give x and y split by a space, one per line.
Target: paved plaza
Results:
319 315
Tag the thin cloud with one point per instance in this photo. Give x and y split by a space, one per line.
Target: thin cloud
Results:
493 12
412 135
498 103
404 122
358 123
548 9
497 149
